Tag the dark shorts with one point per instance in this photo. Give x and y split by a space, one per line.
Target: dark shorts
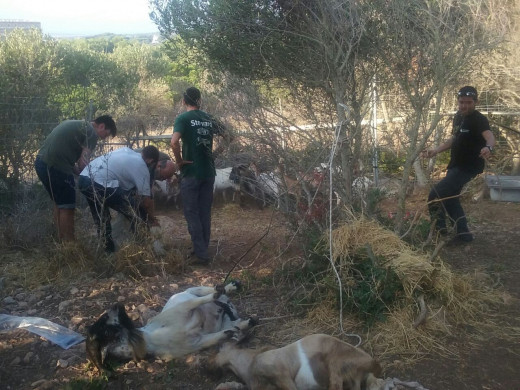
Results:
59 185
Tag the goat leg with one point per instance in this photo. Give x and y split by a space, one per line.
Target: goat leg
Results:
93 348
234 285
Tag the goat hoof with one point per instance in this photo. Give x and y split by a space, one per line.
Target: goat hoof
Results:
231 334
253 321
237 284
219 290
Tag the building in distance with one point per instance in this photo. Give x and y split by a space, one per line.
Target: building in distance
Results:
8 25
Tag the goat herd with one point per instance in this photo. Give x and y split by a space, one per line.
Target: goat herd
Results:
203 317
242 180
305 193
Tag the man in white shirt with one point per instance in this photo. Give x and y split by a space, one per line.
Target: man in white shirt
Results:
119 180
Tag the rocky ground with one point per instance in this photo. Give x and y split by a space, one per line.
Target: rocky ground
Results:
28 361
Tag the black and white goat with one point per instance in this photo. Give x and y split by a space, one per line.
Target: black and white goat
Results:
238 178
314 362
167 191
195 319
223 183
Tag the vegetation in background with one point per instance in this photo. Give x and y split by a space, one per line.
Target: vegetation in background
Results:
44 81
331 54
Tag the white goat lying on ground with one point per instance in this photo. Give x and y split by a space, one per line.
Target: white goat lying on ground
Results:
192 320
314 362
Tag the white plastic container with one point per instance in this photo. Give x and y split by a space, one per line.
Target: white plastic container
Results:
504 188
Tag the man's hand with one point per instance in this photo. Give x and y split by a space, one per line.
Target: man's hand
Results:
485 153
181 163
429 153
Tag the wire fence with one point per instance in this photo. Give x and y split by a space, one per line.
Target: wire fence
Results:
26 120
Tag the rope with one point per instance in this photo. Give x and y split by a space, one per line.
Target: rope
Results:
250 248
330 257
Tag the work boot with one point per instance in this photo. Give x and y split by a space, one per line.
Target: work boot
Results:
198 260
464 237
461 238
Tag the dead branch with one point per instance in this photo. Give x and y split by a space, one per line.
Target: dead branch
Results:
423 314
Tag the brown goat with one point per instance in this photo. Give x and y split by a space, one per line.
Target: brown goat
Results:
314 362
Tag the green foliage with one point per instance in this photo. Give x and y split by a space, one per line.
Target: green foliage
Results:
419 232
91 77
374 197
29 72
185 67
263 39
224 42
391 162
44 81
372 288
147 61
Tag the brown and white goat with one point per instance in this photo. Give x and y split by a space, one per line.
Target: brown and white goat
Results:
192 320
314 362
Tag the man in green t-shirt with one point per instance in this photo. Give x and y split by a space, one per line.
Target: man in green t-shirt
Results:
65 152
196 130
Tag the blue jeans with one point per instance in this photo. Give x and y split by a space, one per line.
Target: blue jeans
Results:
101 200
444 199
197 198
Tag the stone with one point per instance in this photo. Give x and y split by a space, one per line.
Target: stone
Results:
28 356
16 361
76 320
64 305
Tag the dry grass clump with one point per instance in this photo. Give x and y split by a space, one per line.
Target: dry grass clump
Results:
138 260
397 336
57 263
451 299
62 262
350 238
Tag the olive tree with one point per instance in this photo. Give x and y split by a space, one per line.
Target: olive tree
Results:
29 73
308 48
419 50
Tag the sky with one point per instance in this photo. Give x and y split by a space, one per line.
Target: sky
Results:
67 18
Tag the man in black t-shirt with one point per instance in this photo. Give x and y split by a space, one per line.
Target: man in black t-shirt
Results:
471 143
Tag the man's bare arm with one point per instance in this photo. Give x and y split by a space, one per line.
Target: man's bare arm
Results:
82 161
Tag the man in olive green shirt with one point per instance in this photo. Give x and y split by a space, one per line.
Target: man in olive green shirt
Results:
65 152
